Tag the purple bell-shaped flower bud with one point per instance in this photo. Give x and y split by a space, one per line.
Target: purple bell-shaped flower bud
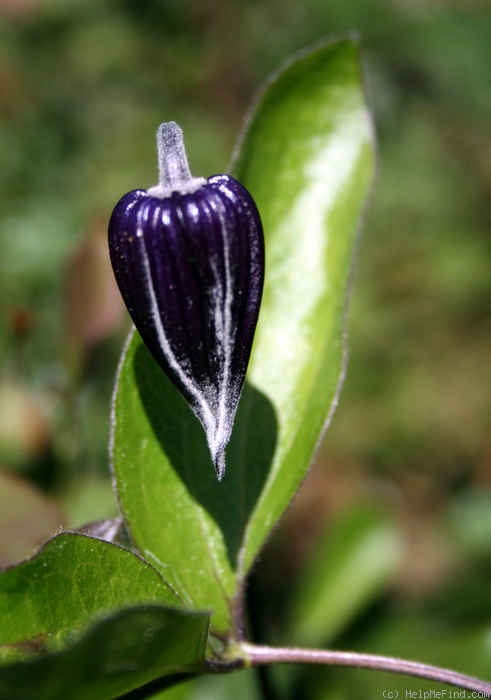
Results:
188 256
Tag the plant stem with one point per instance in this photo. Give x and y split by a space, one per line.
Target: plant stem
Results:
174 172
173 162
259 655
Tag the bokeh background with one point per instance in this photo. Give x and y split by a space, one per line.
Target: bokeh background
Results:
389 541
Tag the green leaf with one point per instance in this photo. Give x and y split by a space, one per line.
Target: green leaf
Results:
46 601
307 158
167 486
117 654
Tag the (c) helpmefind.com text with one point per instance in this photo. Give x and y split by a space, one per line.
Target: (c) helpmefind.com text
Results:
443 694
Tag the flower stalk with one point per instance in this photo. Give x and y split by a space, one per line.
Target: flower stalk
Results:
259 655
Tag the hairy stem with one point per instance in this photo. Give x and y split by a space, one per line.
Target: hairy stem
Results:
174 172
173 162
257 655
260 655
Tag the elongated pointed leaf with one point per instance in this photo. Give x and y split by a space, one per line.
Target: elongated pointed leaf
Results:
307 159
163 472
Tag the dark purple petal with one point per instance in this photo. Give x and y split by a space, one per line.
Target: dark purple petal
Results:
190 267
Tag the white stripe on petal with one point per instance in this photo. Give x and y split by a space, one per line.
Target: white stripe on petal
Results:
206 416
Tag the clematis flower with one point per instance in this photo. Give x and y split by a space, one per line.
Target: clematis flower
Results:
188 256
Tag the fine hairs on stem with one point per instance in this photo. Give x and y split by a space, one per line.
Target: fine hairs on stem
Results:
174 172
259 655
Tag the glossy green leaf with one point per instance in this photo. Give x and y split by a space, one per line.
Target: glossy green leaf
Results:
167 486
124 651
48 600
307 158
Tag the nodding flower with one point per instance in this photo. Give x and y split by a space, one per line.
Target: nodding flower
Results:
188 257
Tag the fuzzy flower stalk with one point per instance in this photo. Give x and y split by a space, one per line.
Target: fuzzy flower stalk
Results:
188 257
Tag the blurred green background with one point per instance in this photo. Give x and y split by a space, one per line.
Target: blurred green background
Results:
389 542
